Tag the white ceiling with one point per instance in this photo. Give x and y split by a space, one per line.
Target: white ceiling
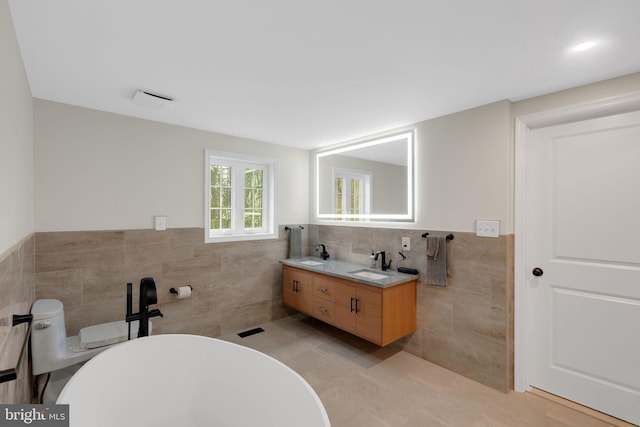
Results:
310 74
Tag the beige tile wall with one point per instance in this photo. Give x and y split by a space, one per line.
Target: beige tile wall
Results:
235 285
17 291
466 326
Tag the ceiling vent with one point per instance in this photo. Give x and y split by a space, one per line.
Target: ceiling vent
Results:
152 100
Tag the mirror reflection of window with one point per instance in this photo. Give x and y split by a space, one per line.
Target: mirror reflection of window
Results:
352 192
338 200
388 160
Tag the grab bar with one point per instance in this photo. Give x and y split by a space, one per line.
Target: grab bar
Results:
10 374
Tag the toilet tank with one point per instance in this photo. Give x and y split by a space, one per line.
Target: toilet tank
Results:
48 335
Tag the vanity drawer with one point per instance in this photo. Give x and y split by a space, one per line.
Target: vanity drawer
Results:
323 309
324 288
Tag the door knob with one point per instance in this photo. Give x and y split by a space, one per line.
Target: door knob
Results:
537 272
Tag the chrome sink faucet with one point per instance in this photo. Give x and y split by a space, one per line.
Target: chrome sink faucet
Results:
324 254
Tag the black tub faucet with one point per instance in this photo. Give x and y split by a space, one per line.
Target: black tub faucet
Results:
324 254
148 296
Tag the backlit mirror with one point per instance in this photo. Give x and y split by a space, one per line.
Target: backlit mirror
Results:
367 181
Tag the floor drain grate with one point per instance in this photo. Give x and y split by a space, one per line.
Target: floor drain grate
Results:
250 332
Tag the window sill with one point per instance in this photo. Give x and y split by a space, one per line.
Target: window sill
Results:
219 238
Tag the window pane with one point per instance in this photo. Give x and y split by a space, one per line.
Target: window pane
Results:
215 219
253 180
257 199
257 179
215 197
220 197
226 219
253 218
225 176
226 198
215 175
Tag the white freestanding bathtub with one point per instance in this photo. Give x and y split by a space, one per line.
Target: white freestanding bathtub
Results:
188 380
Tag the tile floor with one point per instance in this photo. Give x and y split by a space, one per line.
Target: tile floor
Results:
361 384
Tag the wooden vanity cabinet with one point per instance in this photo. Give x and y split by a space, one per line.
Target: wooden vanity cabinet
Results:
379 315
297 289
359 310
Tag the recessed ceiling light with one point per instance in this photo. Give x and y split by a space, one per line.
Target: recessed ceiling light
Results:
583 46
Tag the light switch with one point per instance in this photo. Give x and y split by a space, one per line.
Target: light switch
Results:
161 223
487 228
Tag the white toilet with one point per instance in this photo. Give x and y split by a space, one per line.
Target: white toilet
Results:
52 351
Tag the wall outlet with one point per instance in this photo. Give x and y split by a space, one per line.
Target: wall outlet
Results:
160 223
487 228
406 243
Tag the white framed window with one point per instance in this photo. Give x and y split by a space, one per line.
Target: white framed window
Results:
351 192
240 194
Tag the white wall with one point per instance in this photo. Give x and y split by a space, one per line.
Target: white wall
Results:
96 170
102 171
463 169
16 139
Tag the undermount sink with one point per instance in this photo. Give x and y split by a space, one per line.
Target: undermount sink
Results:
368 274
310 262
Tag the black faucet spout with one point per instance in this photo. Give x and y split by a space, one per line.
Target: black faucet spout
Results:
148 296
384 266
324 253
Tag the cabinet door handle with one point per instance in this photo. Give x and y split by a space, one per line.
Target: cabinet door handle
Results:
351 305
357 309
322 310
296 286
323 289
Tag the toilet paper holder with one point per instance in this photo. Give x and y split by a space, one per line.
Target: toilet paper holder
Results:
175 291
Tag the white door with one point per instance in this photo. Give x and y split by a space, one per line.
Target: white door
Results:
583 196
